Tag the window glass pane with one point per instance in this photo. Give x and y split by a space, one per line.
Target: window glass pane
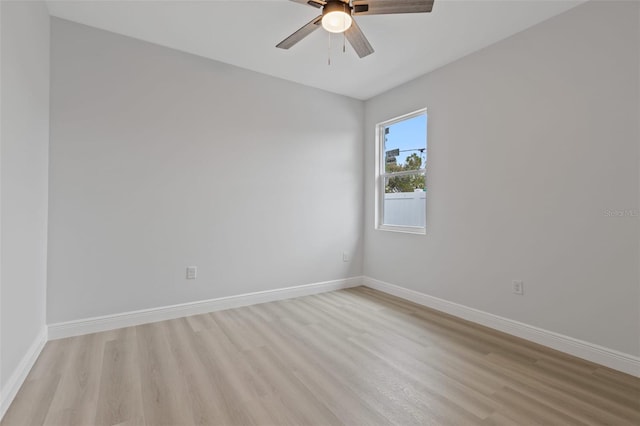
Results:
406 183
405 200
405 145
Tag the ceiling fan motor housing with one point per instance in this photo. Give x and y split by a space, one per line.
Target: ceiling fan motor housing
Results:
336 6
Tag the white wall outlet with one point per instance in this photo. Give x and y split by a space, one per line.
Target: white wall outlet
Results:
345 257
192 272
518 287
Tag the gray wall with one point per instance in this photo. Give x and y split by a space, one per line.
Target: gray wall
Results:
532 142
161 159
23 191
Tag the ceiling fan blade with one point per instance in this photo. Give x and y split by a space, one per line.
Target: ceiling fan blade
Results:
385 7
357 39
315 3
313 25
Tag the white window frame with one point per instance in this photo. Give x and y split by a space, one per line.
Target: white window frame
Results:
381 175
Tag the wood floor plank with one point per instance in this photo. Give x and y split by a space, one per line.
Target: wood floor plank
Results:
204 395
75 402
458 393
120 395
590 395
52 359
237 389
320 381
412 403
23 411
374 393
525 410
164 399
305 408
353 357
526 384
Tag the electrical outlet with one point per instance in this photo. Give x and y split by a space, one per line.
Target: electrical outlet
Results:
518 287
345 257
192 272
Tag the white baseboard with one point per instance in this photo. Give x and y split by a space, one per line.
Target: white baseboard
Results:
128 319
11 388
611 358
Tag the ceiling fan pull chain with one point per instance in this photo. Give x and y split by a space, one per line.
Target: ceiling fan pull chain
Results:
329 52
344 37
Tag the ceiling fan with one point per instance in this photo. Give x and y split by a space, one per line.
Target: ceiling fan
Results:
337 17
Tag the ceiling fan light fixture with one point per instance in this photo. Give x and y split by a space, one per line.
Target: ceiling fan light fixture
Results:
336 22
336 17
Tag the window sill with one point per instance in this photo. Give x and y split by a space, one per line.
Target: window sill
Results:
419 230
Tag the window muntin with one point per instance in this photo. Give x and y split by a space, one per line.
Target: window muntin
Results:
401 168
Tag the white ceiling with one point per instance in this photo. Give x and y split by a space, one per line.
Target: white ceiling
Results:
244 33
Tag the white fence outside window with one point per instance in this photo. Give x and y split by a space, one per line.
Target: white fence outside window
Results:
405 208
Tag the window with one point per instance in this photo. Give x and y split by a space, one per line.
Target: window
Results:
401 161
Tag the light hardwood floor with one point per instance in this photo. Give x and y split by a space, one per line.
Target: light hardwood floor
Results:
355 357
